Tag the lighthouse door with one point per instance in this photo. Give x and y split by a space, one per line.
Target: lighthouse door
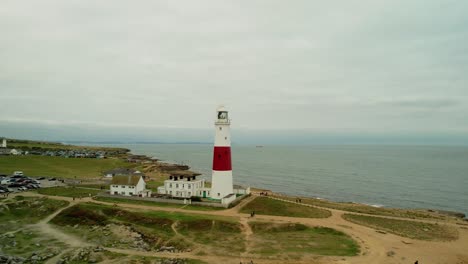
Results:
204 194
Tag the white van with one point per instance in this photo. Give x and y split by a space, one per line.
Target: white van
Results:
18 173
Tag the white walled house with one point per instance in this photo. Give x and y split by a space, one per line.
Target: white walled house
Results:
184 187
129 185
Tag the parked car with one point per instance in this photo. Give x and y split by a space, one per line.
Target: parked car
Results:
41 178
52 179
18 173
5 181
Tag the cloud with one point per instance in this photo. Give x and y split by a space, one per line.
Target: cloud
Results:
358 66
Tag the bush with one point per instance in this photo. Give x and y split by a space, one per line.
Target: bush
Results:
196 199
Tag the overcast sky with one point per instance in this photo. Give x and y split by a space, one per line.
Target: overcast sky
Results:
364 66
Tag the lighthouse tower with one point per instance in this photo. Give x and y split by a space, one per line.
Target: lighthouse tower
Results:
221 180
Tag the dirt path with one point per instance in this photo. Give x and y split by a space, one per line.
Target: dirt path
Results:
375 247
44 227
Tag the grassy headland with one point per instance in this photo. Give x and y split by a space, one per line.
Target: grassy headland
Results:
46 145
367 209
267 206
406 228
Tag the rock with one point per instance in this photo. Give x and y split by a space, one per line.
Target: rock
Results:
60 261
76 226
92 260
35 258
38 245
391 253
98 249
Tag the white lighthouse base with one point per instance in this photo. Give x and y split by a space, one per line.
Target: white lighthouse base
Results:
221 184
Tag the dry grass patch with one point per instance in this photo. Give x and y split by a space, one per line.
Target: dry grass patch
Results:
406 228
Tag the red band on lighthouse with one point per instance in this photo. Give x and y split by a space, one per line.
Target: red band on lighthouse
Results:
222 159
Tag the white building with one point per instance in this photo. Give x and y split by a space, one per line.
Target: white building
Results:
4 143
184 187
129 185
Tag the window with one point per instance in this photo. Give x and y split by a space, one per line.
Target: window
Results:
189 193
116 193
219 194
130 193
177 185
190 186
123 186
220 128
122 193
225 138
170 185
182 186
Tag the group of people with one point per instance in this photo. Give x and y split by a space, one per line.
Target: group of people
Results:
264 193
298 200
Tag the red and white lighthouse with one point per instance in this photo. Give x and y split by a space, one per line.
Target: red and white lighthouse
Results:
221 180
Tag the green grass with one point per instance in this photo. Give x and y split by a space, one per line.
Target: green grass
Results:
89 219
158 204
22 210
59 166
267 206
69 191
406 228
222 237
366 209
297 239
105 186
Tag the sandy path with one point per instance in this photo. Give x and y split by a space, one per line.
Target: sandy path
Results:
374 245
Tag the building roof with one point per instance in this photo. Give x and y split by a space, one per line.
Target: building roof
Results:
126 179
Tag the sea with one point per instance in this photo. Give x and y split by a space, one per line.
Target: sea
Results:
430 177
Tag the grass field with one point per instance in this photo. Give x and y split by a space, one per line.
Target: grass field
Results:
59 166
26 210
294 240
366 209
157 204
156 228
267 206
69 191
406 228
